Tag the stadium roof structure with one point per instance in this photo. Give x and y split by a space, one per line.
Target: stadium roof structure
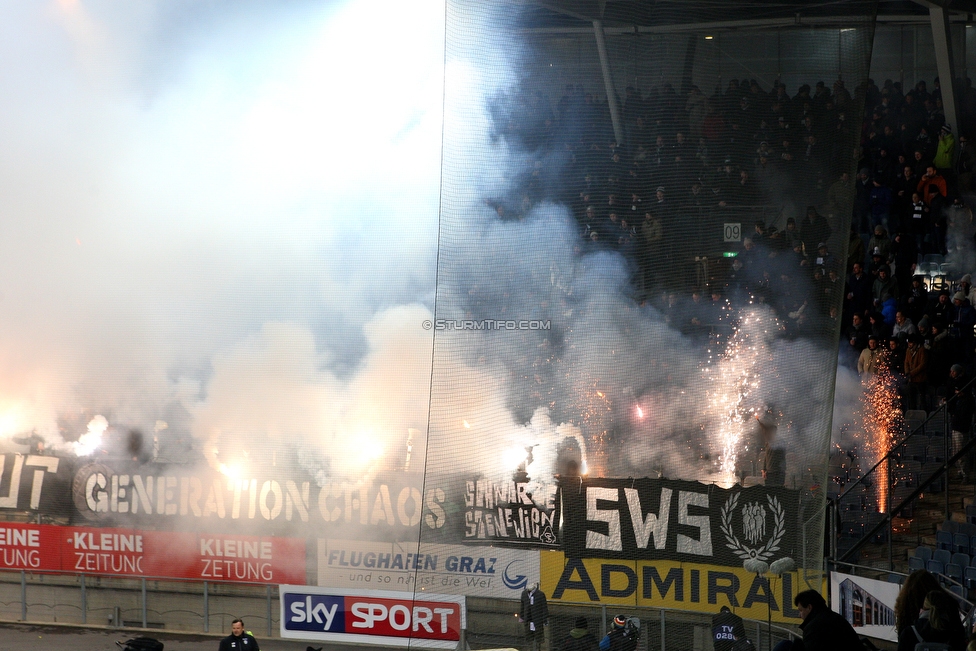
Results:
679 15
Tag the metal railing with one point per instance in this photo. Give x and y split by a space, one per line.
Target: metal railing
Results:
136 602
888 461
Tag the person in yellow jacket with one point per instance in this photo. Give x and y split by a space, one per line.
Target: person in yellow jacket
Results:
946 151
870 358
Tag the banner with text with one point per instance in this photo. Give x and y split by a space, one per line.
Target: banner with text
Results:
127 552
651 519
452 569
671 584
371 617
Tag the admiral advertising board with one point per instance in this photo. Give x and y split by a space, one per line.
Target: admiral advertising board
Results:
371 617
677 544
450 569
673 584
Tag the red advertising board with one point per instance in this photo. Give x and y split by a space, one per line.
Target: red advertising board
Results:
132 552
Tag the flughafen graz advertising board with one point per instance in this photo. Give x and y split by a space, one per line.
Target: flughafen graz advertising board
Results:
645 542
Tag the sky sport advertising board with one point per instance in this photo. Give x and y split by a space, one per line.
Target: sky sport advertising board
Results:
371 617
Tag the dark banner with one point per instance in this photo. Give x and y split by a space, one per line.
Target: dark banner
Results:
647 519
588 518
505 513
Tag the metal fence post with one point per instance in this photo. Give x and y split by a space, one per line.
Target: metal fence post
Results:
945 434
269 610
891 516
664 640
603 621
206 608
84 602
145 622
23 596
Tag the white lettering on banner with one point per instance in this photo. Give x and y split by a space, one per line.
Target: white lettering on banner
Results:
240 570
21 557
108 542
370 614
508 510
319 613
595 539
20 537
235 548
374 505
118 563
652 525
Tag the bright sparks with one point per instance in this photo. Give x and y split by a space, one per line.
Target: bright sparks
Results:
883 422
91 439
233 472
514 457
734 377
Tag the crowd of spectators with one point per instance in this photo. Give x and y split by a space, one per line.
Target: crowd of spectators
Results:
758 154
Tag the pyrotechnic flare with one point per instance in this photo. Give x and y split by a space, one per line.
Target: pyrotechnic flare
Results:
734 378
883 420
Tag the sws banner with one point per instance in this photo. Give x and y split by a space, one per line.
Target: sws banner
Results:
674 585
370 617
128 552
649 519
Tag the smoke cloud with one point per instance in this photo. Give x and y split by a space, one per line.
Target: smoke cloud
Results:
221 226
218 217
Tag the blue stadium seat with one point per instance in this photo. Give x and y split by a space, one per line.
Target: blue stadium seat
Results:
961 559
960 544
943 540
969 577
954 572
942 555
916 563
935 567
924 552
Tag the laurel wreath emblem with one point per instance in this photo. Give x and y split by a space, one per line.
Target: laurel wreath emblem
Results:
744 552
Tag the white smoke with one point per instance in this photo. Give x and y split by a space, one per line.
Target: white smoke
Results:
232 215
226 212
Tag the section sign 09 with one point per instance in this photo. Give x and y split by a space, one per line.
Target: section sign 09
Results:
371 617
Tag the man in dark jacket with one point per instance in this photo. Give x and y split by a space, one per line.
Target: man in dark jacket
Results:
535 616
823 629
623 635
961 406
727 629
238 640
580 638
